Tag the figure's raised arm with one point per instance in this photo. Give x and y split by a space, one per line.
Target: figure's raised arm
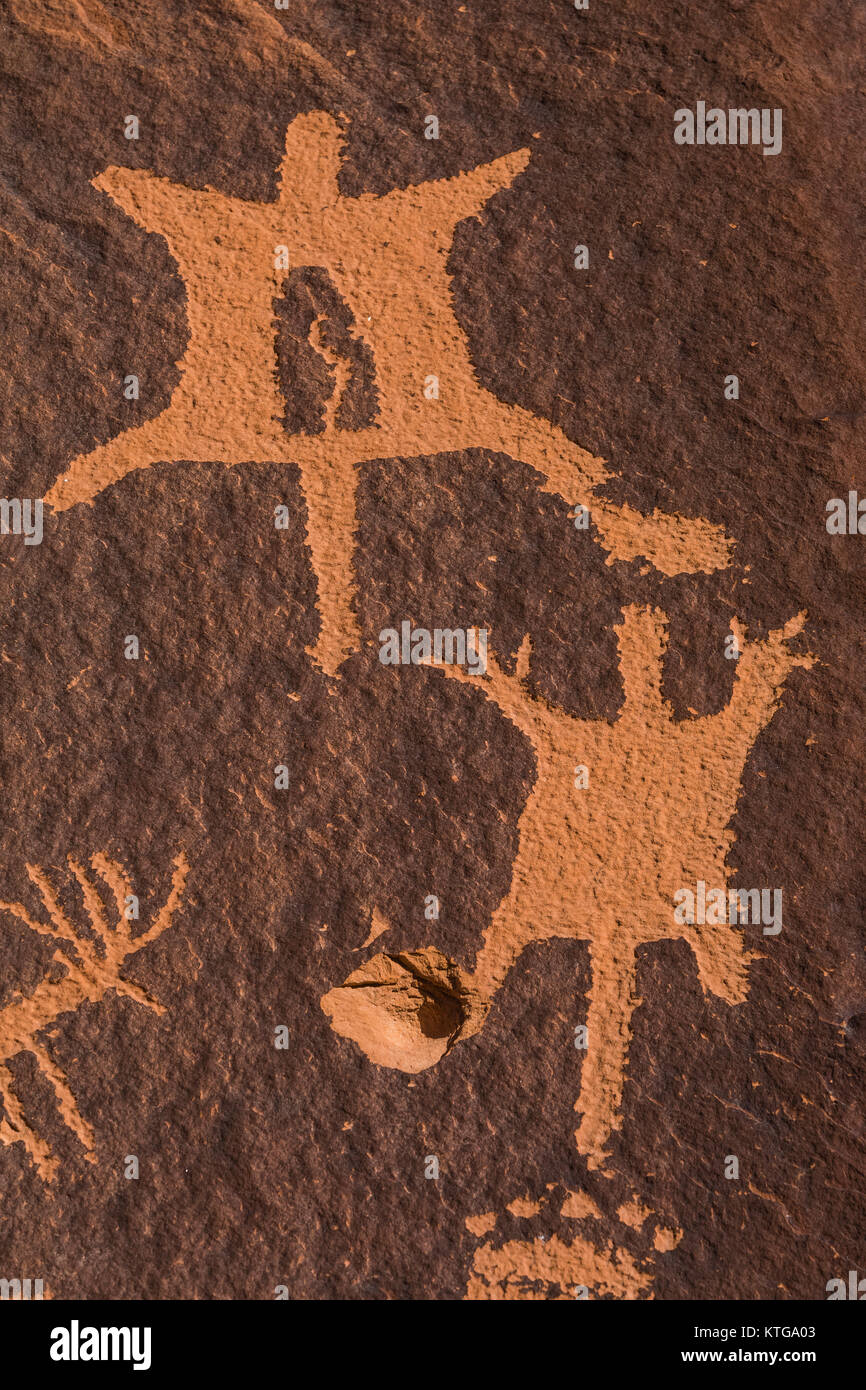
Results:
762 669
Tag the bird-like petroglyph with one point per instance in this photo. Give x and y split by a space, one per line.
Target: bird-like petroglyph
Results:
600 863
81 970
388 258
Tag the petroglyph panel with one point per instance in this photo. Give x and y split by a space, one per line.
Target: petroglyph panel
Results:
343 957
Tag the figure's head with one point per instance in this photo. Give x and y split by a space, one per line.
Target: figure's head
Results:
311 163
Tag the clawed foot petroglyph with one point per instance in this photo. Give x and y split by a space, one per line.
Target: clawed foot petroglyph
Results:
579 1260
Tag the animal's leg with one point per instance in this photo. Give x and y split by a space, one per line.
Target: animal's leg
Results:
14 1129
68 1107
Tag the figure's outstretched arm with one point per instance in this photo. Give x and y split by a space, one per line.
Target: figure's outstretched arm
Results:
508 692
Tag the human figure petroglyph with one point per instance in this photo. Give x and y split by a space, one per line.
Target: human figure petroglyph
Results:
388 258
600 864
89 970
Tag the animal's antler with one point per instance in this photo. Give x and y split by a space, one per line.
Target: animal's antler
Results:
92 968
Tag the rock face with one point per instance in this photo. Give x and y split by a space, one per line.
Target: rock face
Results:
332 974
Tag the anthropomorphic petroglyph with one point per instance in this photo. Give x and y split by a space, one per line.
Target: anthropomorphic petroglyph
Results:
600 864
88 970
388 257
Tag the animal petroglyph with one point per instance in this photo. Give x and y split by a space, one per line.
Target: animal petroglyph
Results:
387 257
531 1269
565 1265
599 864
83 970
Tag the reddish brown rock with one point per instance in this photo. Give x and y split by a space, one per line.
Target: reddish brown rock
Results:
305 1165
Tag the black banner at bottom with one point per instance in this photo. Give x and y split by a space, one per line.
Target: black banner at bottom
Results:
57 1340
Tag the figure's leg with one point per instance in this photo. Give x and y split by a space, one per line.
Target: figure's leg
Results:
612 1003
329 491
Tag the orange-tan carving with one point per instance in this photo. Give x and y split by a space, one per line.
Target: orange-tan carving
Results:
601 864
527 1270
388 258
89 970
584 1264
